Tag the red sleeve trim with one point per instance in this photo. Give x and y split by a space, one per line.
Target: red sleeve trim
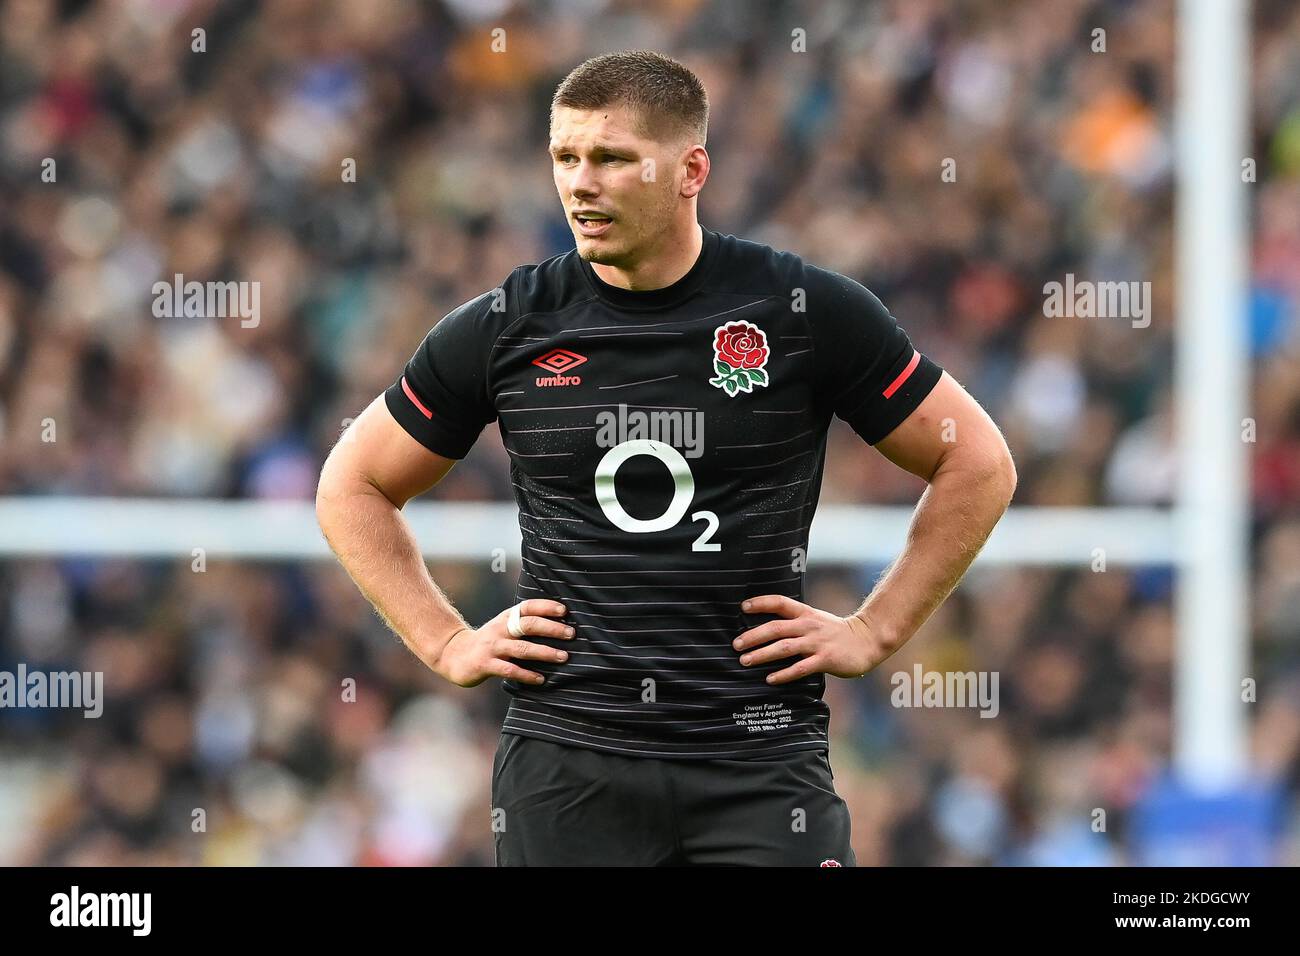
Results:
418 404
903 376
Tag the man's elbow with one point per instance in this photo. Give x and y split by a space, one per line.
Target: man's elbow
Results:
989 467
1001 473
326 493
1010 477
342 482
334 485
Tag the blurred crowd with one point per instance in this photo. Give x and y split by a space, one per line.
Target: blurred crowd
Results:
260 713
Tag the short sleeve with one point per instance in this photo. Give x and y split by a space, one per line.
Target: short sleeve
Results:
869 373
441 398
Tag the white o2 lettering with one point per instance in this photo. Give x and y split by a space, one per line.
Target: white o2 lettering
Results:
683 485
702 543
683 491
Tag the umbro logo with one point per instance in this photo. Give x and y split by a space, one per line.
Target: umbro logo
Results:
559 361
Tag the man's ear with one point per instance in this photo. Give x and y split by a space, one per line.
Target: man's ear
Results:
696 154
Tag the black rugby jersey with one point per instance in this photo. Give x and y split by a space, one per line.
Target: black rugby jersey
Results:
666 452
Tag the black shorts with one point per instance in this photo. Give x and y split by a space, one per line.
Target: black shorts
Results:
559 805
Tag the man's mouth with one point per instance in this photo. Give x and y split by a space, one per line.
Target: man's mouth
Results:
592 223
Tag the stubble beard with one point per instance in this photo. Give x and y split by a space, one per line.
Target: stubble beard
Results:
628 253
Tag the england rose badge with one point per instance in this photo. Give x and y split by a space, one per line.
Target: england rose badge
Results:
739 353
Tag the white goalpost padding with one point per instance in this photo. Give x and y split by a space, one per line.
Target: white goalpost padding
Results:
1211 371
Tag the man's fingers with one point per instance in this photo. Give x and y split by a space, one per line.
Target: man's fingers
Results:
525 651
769 631
774 652
541 606
508 671
543 627
808 665
773 604
518 616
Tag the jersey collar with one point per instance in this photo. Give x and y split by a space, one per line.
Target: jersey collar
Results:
652 299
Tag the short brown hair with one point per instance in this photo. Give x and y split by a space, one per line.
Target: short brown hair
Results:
668 99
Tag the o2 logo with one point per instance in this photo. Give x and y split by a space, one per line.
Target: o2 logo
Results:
683 492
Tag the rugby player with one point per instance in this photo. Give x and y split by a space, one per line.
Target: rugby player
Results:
664 393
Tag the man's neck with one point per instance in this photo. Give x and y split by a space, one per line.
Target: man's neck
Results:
660 270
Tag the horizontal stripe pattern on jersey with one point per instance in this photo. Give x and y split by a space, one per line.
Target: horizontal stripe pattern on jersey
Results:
666 453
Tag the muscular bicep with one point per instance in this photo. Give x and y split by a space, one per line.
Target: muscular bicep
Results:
377 450
948 422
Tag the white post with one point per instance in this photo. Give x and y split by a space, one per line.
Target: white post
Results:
1211 369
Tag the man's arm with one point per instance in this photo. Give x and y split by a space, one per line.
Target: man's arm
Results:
971 480
373 470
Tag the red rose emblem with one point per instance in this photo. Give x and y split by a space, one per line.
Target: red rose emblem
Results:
739 354
741 345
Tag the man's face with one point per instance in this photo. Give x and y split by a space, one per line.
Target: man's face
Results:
603 167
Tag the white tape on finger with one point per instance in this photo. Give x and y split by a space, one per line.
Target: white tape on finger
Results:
512 623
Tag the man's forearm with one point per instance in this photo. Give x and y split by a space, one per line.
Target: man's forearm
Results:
953 519
376 546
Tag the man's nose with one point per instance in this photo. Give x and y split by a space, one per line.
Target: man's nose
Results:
583 183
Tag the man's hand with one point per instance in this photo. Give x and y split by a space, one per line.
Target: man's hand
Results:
472 655
839 646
